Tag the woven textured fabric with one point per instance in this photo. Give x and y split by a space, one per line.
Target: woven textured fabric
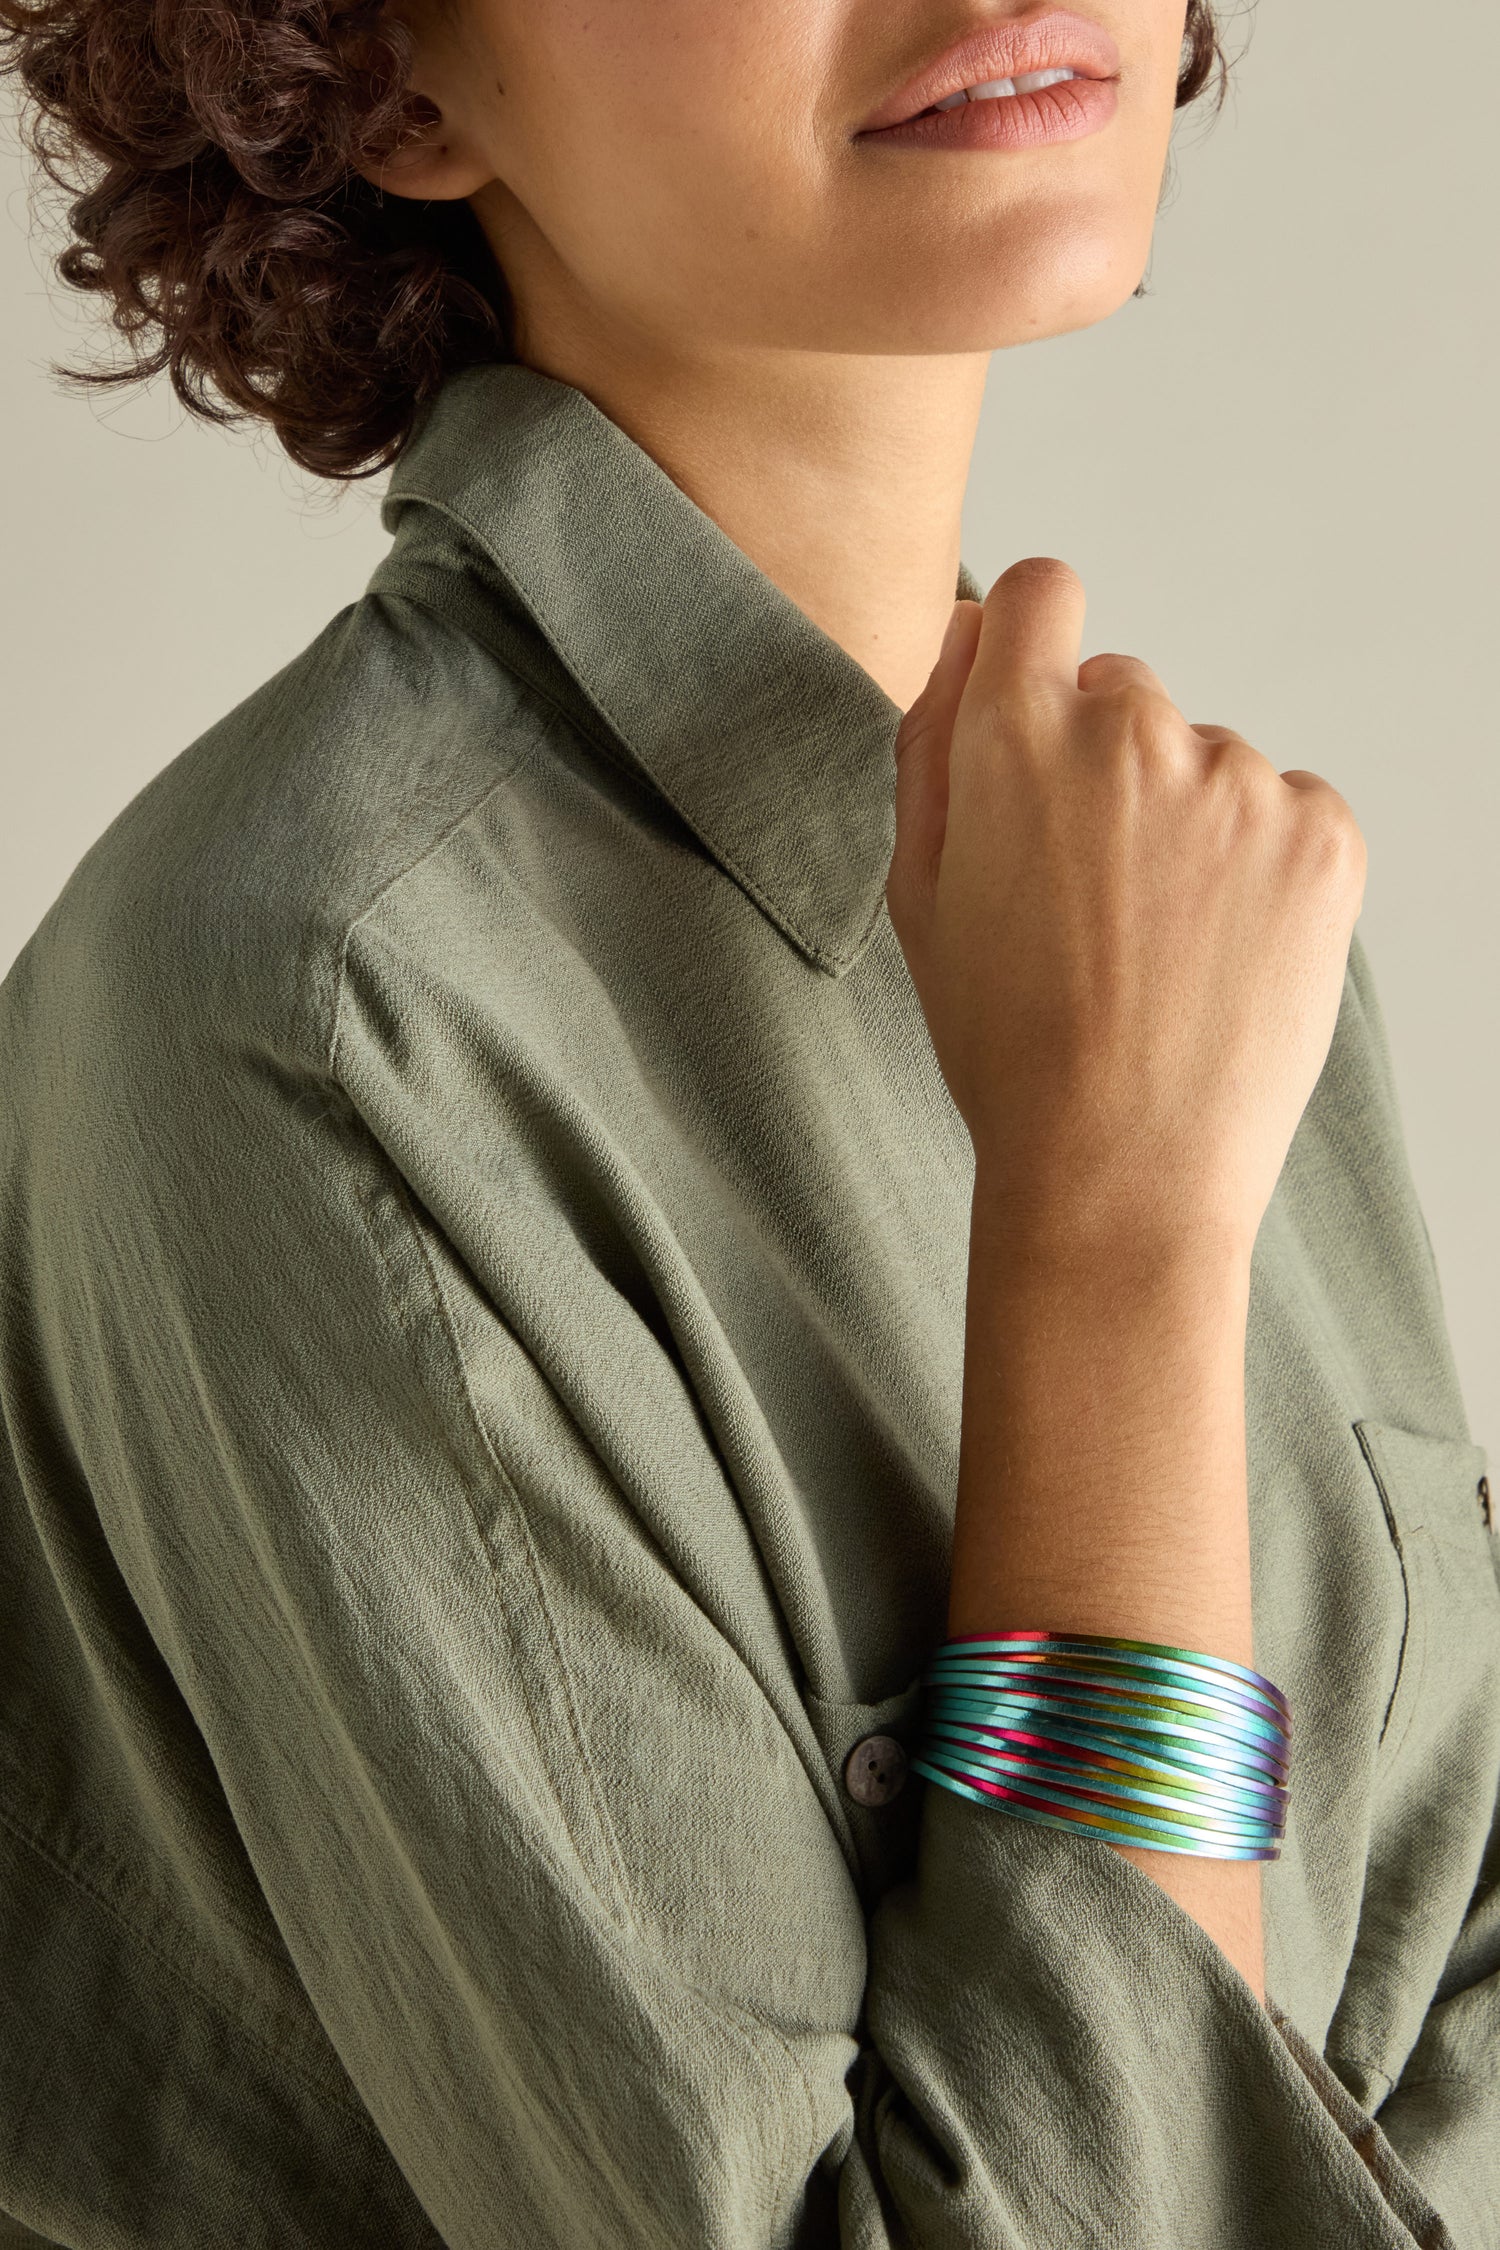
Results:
483 1239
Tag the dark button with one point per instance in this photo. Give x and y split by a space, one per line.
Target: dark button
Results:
1484 1497
875 1770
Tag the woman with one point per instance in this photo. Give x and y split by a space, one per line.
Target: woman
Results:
663 1135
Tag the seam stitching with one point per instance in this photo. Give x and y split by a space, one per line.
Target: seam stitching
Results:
582 722
626 1900
749 2025
518 1514
429 851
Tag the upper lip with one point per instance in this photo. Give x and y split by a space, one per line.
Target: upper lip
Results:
1058 40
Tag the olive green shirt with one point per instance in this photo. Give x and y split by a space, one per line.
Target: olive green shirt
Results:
484 1252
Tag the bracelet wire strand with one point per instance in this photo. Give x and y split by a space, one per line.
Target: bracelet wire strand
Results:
1129 1741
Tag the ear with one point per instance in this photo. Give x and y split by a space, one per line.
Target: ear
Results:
442 157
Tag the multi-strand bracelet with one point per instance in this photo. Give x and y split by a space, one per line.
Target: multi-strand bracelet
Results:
1134 1742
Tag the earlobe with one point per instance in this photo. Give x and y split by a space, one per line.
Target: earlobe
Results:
431 164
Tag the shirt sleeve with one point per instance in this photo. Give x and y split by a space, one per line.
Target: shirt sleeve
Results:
1443 2114
556 1884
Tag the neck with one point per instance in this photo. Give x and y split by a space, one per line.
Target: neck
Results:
841 477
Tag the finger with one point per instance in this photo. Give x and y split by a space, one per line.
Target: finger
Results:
1030 633
931 717
922 740
939 699
1097 673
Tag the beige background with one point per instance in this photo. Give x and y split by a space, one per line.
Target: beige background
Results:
1275 475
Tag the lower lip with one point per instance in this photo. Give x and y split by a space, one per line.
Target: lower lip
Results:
1062 112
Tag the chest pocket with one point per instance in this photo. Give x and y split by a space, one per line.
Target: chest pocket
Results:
1435 1492
1438 1760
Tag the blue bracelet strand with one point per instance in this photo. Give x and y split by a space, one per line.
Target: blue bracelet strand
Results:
1128 1741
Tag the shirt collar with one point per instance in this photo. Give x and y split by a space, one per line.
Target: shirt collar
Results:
770 741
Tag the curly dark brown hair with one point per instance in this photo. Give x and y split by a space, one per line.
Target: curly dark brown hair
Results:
208 146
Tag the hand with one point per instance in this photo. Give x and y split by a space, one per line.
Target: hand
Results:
1128 934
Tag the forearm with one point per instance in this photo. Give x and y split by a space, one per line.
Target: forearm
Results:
1102 1481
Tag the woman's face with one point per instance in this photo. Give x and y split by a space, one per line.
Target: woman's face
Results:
693 172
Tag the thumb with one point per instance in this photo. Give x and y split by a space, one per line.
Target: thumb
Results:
922 741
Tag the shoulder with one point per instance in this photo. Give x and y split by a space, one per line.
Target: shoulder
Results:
166 1037
218 902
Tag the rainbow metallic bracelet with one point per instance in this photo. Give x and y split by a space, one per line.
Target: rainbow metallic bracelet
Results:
1132 1742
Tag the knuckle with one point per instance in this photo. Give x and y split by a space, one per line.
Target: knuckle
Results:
1257 785
1108 667
1250 767
1143 701
1148 733
1333 837
1346 841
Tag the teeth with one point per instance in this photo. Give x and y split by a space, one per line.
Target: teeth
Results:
995 89
1035 78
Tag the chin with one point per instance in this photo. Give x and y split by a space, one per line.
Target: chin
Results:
1007 302
1064 284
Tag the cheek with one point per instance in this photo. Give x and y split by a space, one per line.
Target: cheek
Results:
656 140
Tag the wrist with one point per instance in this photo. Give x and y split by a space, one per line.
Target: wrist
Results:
1058 1240
1102 1471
